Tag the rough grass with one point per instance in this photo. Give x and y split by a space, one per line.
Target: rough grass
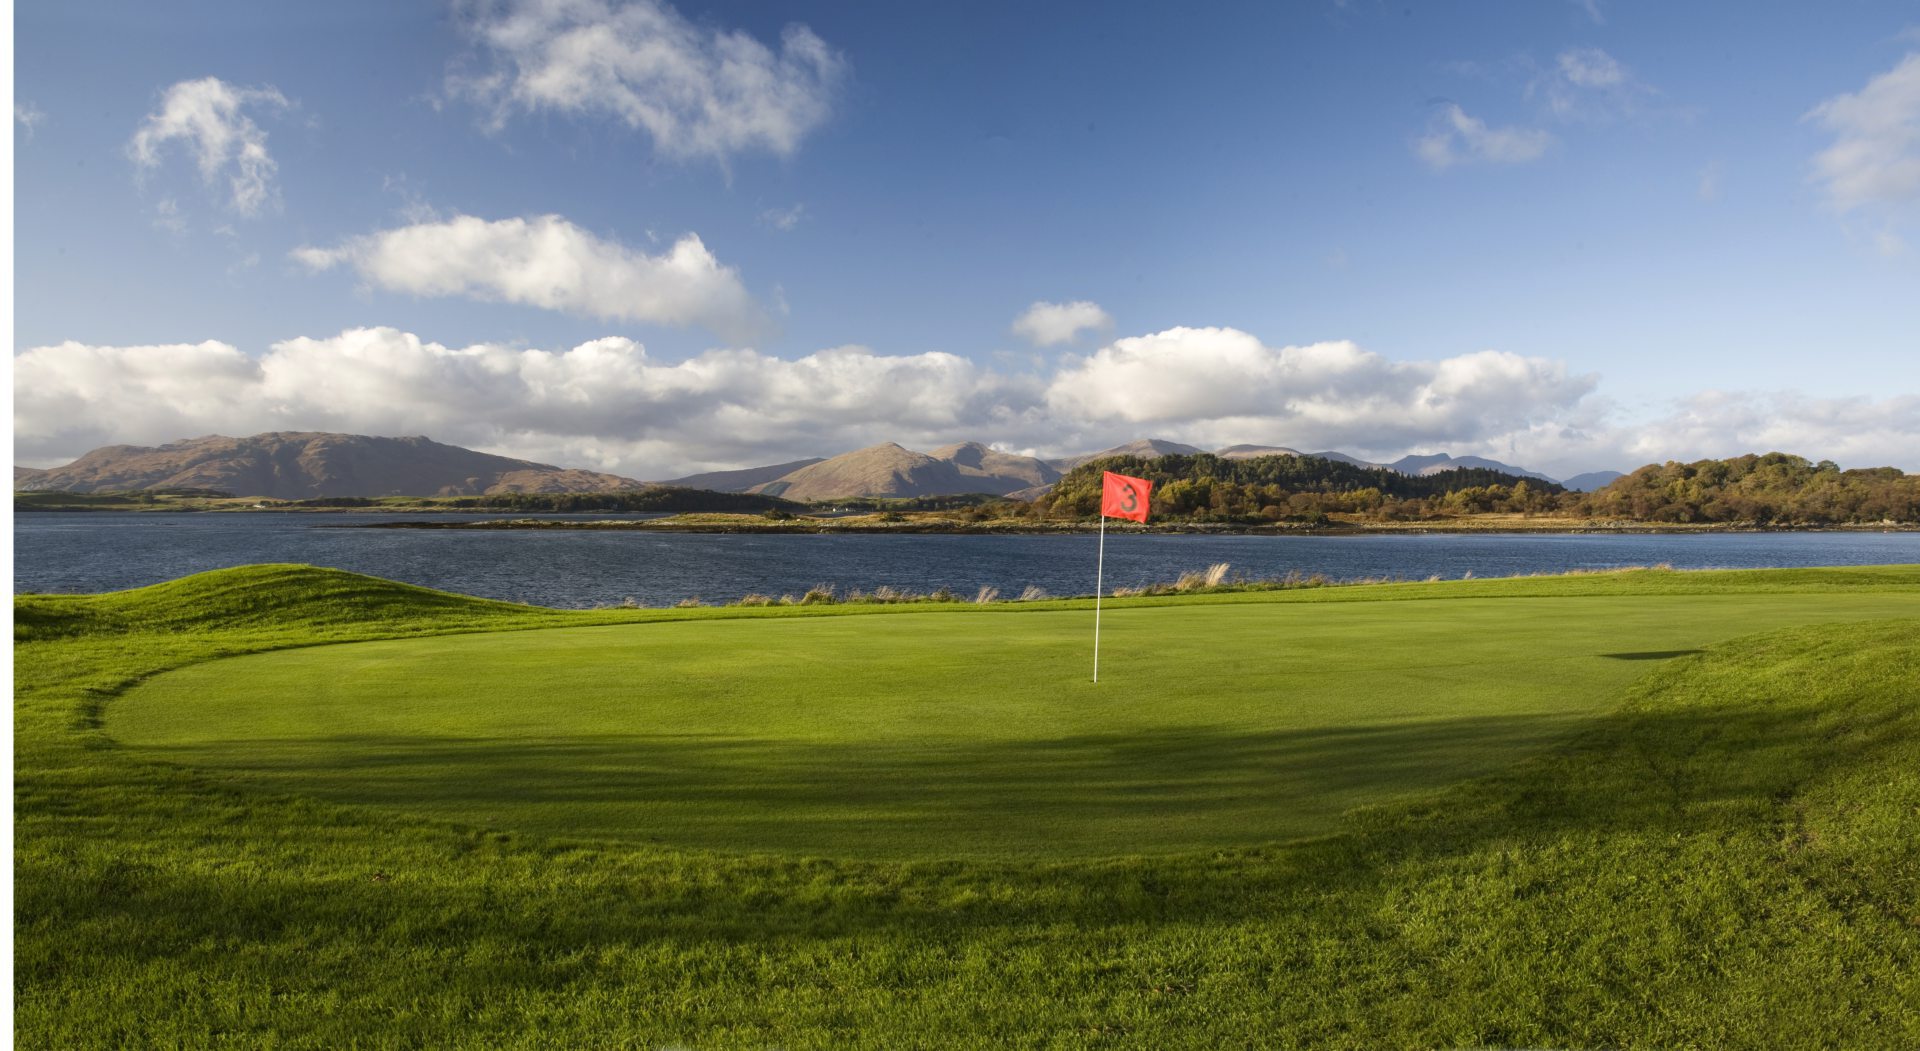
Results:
1726 860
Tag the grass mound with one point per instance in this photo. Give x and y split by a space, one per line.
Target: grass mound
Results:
247 598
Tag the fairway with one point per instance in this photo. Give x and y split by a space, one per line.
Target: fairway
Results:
945 733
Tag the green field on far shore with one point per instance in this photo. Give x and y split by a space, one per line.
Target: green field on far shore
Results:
280 806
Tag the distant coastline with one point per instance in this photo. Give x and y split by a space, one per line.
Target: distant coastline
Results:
869 525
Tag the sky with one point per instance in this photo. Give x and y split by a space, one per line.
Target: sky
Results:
657 239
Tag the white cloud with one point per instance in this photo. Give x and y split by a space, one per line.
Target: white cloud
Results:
549 262
698 92
73 397
1590 67
28 116
1050 324
1858 431
168 216
1586 83
608 404
604 404
784 219
207 116
1453 138
1221 385
1875 157
1592 10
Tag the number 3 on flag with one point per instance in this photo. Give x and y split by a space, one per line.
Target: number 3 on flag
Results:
1124 496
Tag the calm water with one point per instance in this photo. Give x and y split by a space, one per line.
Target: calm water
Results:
105 551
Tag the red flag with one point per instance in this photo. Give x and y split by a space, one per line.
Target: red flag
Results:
1124 496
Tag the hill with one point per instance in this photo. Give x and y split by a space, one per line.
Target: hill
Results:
889 470
1435 463
295 465
742 480
1248 452
1775 489
1207 486
1144 448
1587 483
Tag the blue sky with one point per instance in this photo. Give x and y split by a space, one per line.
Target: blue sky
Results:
1570 235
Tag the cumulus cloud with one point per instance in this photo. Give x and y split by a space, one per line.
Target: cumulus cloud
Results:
550 263
605 403
206 116
1858 431
608 404
72 397
1221 385
1453 138
1050 324
698 92
1875 157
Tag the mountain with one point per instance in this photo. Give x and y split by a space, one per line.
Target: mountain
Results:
1587 483
741 480
1248 452
1343 458
889 470
1422 466
293 465
21 474
1145 448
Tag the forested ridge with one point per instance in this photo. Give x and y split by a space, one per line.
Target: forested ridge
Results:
1206 487
1772 489
1775 489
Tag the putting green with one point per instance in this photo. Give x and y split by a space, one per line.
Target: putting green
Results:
958 732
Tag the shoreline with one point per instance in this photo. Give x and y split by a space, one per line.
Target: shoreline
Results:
855 527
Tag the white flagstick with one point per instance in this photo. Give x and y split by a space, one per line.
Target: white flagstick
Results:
1099 585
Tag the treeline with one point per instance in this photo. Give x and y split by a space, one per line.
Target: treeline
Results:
61 500
1775 489
664 499
1206 487
943 502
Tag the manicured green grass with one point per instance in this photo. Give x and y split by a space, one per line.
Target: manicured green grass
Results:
947 734
1722 855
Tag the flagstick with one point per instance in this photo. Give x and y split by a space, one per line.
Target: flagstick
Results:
1099 585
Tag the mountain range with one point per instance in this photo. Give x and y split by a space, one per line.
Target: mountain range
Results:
889 470
291 465
970 467
294 465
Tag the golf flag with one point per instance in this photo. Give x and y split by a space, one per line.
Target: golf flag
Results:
1124 496
1121 496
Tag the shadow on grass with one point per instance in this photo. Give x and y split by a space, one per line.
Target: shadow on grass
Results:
1650 655
1171 790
